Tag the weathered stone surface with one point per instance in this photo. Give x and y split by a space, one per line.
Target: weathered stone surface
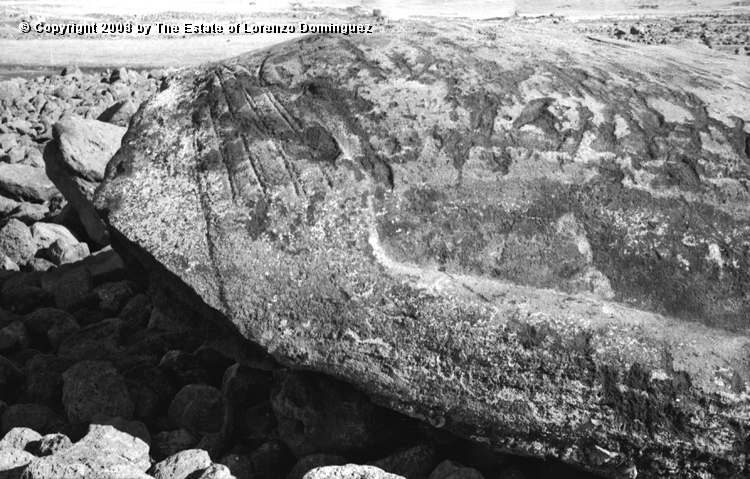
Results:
12 462
87 145
21 438
44 234
16 242
121 471
25 182
52 444
216 471
113 297
75 161
64 251
181 465
95 387
104 447
350 471
7 264
540 249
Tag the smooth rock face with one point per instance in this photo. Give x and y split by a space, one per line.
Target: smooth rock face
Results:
536 247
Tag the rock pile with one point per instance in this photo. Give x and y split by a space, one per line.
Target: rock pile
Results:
724 32
30 188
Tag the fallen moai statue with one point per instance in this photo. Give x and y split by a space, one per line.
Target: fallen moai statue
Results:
534 240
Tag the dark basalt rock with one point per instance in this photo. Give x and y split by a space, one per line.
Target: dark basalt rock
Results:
542 250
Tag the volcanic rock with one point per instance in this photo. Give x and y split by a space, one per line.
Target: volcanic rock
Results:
25 182
64 251
105 446
533 247
13 462
119 114
113 297
350 471
21 438
52 444
16 242
181 465
94 387
45 234
75 162
44 379
86 145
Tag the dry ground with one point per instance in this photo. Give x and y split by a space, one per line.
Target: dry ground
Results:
23 52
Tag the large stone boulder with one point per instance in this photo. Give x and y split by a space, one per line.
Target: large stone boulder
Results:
75 162
540 249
